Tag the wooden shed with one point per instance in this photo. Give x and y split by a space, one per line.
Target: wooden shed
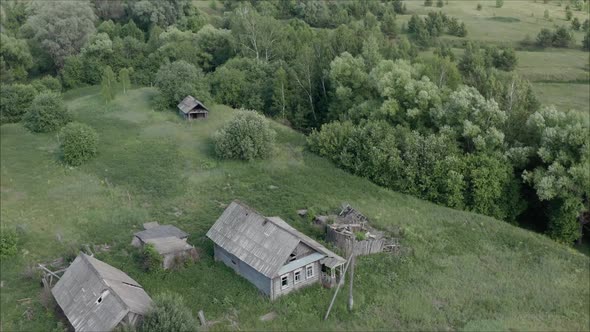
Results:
169 241
271 254
95 296
190 108
351 232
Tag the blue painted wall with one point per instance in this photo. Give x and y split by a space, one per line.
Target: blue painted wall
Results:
258 279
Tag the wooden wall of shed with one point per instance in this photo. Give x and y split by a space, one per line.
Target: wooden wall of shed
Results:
258 279
344 242
276 282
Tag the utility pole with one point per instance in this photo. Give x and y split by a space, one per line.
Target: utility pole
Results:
337 289
352 261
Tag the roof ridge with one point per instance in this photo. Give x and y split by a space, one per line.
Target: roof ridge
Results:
103 280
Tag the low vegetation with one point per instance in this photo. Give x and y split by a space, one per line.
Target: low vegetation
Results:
169 314
46 113
79 143
247 136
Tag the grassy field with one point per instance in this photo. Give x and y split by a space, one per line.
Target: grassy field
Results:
560 76
465 272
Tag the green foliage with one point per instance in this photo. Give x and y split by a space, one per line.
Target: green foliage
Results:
163 13
79 143
61 28
389 24
428 3
15 99
479 7
108 85
247 136
546 14
47 83
8 241
72 74
169 314
15 59
586 41
576 24
151 260
46 113
499 3
124 79
179 79
561 37
568 15
440 3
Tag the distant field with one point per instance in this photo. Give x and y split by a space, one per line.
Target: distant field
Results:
509 24
565 96
466 271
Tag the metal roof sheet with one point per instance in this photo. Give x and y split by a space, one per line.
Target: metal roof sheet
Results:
316 256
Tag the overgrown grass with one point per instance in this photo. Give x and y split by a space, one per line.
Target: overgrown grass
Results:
466 271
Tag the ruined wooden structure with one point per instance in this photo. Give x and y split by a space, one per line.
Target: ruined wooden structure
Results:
169 241
351 225
271 254
190 108
95 296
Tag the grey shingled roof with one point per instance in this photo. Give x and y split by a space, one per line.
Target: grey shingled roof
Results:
85 281
263 243
189 103
161 231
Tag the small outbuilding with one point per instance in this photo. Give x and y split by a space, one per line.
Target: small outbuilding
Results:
271 254
169 241
351 232
95 296
190 108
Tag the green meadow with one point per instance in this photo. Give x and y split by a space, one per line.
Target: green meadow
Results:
463 271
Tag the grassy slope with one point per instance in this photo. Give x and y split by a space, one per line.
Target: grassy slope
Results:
466 272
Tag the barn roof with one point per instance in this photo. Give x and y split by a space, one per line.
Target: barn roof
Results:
161 231
85 282
167 245
263 243
189 103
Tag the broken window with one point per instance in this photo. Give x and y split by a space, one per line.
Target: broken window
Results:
102 296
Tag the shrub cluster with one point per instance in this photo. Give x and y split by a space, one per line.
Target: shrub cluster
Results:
80 143
561 37
151 259
247 136
8 241
169 314
46 113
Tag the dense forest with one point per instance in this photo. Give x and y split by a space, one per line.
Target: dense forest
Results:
461 130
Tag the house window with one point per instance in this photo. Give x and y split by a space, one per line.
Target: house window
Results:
292 257
309 271
284 281
297 276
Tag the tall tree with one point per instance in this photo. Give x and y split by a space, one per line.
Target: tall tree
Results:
108 84
15 59
257 36
124 79
61 27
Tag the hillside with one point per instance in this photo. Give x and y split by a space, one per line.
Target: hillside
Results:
466 271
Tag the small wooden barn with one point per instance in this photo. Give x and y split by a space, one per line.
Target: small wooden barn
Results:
271 254
169 241
95 296
190 108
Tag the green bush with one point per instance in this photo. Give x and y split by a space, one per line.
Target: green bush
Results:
47 83
15 99
169 314
247 136
179 79
47 113
7 243
151 259
79 143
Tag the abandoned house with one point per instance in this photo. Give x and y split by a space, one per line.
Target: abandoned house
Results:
190 108
95 296
271 254
351 230
169 241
